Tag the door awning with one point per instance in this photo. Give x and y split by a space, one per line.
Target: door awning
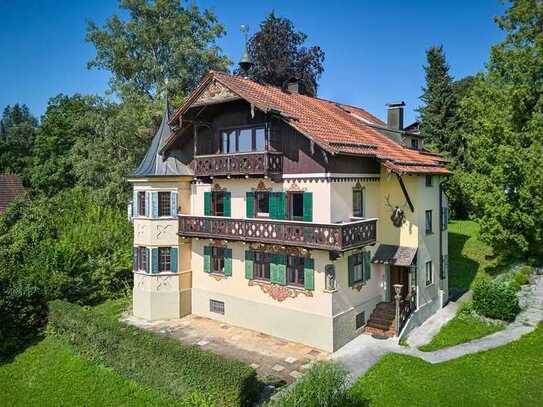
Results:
394 255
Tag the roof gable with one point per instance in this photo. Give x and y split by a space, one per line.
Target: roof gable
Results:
337 128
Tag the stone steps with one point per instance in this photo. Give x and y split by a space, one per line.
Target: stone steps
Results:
382 320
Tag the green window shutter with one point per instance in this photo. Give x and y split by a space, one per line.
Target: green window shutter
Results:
154 260
277 205
350 263
154 204
147 264
227 262
250 204
147 203
135 204
308 206
207 259
249 260
207 203
227 209
279 269
135 257
173 259
367 265
309 273
173 203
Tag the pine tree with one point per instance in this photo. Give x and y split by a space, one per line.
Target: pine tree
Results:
438 116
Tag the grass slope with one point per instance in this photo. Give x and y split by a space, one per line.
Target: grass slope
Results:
49 374
464 327
505 376
468 256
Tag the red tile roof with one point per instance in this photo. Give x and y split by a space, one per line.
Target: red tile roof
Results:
337 128
10 188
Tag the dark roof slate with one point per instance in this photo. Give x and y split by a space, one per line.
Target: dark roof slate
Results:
155 164
394 255
11 187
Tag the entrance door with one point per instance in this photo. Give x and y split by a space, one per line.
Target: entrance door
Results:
399 275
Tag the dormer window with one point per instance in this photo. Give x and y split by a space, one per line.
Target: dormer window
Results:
243 140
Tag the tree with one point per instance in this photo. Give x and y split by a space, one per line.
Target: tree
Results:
503 127
66 120
162 44
279 54
17 129
438 115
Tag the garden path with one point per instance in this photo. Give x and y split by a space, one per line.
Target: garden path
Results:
363 352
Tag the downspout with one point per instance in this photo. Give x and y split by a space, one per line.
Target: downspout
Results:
441 190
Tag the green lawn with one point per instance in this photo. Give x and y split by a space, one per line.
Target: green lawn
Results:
464 327
49 374
505 376
468 256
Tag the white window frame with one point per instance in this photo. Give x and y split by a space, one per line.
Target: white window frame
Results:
429 272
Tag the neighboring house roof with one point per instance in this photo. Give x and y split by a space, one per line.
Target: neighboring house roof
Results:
395 255
337 128
413 127
11 188
155 163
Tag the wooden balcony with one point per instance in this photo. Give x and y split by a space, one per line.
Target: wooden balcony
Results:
324 236
255 163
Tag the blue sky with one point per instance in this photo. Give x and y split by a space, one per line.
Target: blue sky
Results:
374 49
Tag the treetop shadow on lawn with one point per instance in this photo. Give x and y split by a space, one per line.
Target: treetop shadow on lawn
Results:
463 269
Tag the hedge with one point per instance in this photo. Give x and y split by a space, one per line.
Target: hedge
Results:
162 363
325 384
495 299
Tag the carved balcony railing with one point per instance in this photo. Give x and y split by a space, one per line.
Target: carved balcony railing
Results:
254 163
325 236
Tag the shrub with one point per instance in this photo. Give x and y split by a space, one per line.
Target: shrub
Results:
495 299
521 277
158 362
22 314
325 384
68 246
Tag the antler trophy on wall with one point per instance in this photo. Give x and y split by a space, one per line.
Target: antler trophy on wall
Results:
398 214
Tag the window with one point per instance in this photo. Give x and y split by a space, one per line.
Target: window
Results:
164 206
429 273
428 222
217 202
358 267
141 203
295 270
444 266
444 218
217 260
260 139
358 205
261 266
141 260
164 259
296 205
360 320
216 307
415 143
243 140
428 180
262 200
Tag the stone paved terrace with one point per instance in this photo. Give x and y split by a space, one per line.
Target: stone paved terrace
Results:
272 358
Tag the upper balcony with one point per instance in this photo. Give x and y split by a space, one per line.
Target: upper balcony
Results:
262 163
324 236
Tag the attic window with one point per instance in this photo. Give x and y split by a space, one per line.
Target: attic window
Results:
243 140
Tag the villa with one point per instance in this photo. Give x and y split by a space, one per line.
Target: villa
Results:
298 217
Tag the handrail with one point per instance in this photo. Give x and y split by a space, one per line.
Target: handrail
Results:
331 236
